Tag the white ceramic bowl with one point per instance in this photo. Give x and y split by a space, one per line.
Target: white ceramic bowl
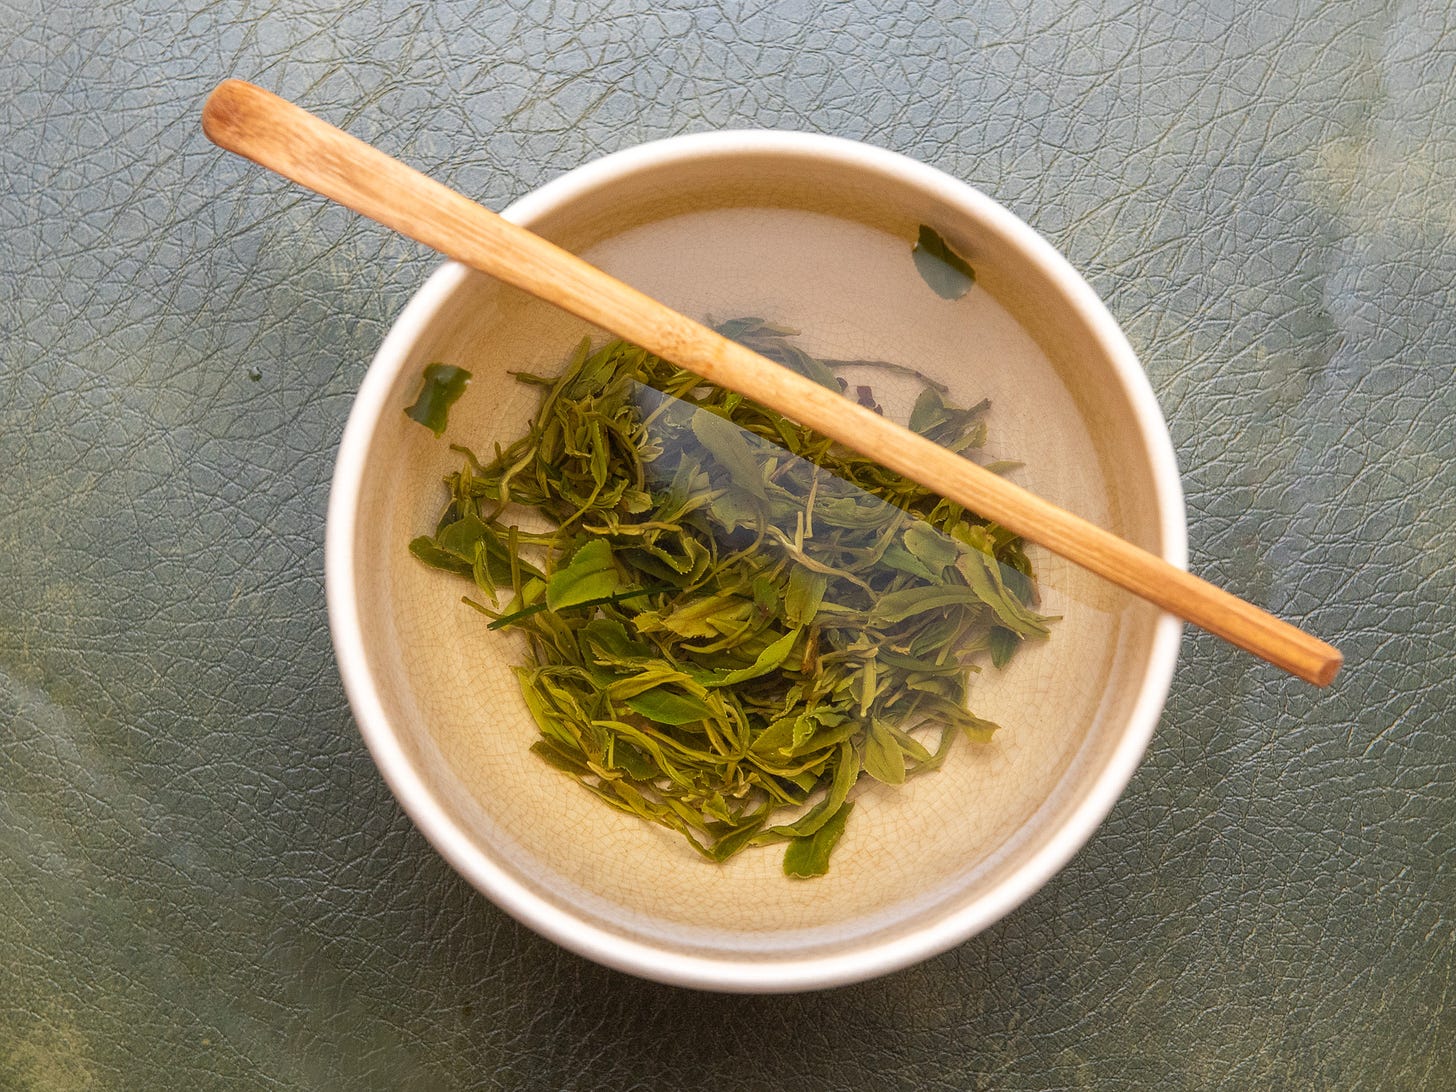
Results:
708 223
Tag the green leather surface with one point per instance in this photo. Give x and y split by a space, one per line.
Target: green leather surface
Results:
204 883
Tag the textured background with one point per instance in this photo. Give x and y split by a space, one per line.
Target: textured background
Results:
203 881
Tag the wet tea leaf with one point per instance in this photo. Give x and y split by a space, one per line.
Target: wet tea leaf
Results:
590 575
883 758
1003 644
808 856
440 388
668 707
941 267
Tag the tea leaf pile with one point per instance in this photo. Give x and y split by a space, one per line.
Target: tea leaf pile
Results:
732 618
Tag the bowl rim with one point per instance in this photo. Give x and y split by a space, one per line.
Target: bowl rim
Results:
559 923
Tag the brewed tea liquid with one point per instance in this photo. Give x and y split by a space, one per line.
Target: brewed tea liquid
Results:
853 293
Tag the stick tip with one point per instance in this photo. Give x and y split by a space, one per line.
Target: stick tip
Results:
225 109
1325 673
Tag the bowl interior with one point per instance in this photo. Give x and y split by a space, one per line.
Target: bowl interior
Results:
822 243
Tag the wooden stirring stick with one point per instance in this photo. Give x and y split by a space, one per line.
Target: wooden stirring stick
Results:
284 138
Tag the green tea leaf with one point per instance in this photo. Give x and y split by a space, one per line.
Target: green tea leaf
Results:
724 441
846 767
606 600
983 574
770 658
460 537
929 411
937 420
1003 643
669 707
814 734
427 550
591 574
609 637
708 616
632 760
778 737
557 755
941 267
934 549
897 606
773 342
804 596
883 758
902 560
440 387
737 840
808 856
765 597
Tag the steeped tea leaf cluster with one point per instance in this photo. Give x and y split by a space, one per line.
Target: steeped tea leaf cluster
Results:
732 618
